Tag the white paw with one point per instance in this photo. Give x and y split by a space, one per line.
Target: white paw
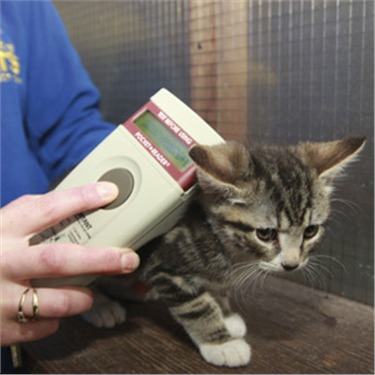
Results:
235 325
105 312
231 353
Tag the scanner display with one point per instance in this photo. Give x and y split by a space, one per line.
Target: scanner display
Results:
174 149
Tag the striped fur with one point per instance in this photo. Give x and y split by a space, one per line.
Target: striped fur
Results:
260 209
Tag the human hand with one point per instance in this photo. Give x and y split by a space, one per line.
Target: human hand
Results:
21 262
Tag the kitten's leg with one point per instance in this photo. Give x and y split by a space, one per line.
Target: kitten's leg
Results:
104 312
204 321
202 317
233 321
235 325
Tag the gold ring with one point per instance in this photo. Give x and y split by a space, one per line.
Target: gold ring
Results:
21 316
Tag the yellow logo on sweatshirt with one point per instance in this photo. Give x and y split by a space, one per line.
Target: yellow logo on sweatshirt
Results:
10 67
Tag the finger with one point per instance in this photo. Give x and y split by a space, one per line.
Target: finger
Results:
64 260
32 214
18 333
59 302
52 304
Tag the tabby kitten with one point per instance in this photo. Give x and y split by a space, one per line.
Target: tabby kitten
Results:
258 206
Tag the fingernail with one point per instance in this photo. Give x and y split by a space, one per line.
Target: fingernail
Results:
130 261
107 190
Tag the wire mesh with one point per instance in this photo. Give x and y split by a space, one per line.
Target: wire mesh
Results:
267 70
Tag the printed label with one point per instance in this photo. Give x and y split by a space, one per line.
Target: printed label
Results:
76 229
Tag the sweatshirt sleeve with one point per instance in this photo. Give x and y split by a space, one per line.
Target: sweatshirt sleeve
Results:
62 116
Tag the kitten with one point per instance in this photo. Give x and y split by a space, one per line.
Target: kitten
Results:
258 206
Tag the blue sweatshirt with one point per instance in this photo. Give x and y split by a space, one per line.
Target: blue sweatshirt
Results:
49 106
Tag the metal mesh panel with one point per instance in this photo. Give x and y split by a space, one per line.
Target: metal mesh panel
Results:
311 76
131 49
278 71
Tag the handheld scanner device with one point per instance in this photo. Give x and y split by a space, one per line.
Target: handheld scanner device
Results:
147 158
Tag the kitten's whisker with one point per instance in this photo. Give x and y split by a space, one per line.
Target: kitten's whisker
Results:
316 262
315 275
264 276
333 259
248 275
336 218
348 204
310 277
245 276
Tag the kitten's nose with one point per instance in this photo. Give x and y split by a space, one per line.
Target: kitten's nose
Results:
289 267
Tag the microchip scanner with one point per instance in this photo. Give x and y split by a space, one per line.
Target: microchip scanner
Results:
147 158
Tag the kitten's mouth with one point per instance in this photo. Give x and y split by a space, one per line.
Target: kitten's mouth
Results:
278 267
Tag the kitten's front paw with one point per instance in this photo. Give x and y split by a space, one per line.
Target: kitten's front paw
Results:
105 312
231 353
235 325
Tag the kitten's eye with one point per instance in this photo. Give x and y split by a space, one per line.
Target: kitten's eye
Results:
266 235
310 231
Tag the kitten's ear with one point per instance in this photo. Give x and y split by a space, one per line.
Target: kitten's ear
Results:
330 158
220 166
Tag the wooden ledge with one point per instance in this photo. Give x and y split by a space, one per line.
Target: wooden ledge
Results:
291 328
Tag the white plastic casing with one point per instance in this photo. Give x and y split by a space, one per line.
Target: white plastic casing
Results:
156 201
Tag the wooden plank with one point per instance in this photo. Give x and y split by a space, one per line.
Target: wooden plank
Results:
202 50
292 329
231 36
218 58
